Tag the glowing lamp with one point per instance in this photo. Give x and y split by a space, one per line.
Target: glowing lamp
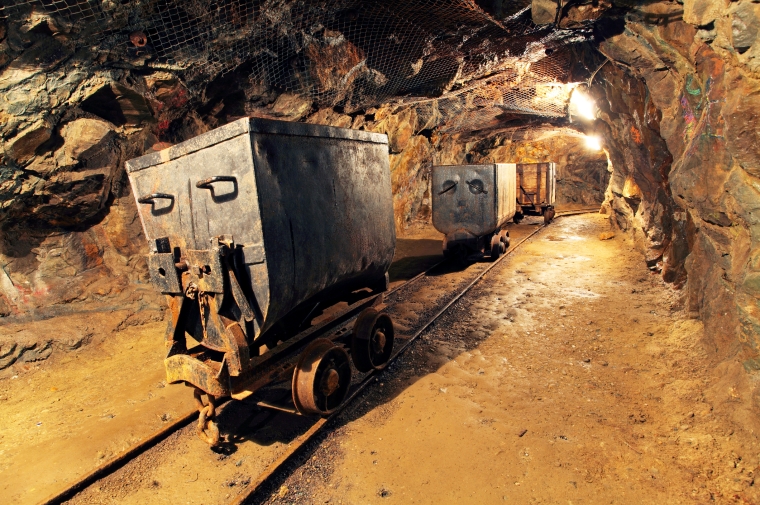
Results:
594 143
582 105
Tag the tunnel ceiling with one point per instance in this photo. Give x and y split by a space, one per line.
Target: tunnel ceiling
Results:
471 67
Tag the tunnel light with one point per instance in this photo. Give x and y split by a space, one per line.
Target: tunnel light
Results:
594 143
582 105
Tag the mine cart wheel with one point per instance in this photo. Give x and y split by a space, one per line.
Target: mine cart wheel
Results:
518 217
504 236
321 378
372 340
497 247
548 215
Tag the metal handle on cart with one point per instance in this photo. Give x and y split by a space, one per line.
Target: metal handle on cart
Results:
206 183
155 196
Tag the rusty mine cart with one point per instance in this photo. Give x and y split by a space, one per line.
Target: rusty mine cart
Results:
254 228
536 187
471 206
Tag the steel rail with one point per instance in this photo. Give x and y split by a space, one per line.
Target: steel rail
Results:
144 445
413 279
121 460
295 446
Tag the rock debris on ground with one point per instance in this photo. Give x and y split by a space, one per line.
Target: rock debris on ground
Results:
570 375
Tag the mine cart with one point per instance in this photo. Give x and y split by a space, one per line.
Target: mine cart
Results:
536 188
253 229
471 206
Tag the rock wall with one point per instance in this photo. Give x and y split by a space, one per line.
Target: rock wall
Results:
681 114
72 114
68 224
70 231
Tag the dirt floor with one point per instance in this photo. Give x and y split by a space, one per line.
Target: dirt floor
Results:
63 417
569 375
92 386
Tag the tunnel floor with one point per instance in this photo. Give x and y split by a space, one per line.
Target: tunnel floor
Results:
570 374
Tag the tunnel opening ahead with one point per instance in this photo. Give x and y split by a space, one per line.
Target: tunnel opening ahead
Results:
582 164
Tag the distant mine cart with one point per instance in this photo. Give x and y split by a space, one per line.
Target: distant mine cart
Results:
536 187
254 228
471 206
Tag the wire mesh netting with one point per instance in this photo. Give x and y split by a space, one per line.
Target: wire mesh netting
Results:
450 56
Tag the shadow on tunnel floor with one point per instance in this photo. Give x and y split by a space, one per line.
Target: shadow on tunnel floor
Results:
414 255
415 363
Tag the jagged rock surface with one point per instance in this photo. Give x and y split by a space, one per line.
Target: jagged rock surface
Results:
683 144
678 103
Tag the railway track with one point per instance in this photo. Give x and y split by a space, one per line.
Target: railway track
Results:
297 445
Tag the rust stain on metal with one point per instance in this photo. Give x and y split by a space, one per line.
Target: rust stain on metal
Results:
471 203
252 226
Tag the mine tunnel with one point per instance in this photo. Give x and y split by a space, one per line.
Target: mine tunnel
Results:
381 251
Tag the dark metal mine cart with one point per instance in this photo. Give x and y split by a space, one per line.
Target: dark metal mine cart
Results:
536 188
471 206
254 228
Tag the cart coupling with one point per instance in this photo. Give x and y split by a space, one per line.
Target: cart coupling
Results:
207 429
